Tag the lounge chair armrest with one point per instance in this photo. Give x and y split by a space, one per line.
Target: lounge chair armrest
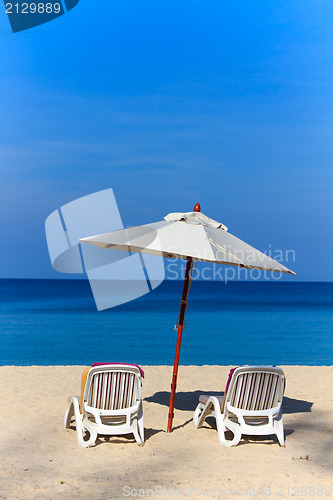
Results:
69 399
240 413
253 413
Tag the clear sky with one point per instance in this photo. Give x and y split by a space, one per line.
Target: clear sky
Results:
170 103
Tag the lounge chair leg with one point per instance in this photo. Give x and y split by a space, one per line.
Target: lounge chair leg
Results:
74 410
201 413
196 415
221 429
140 424
212 406
137 435
69 415
90 441
141 430
138 430
279 430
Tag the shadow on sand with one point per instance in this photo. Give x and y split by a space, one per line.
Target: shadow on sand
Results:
187 401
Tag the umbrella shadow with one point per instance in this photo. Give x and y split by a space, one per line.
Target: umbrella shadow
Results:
187 401
291 405
184 401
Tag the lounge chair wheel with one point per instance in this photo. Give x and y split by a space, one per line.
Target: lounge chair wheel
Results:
196 416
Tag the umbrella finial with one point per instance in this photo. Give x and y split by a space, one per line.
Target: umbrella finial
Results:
197 208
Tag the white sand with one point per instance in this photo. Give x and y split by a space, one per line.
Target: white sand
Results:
38 454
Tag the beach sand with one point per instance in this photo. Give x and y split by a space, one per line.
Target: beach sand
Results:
41 459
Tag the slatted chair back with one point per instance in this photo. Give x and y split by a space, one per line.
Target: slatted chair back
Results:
112 388
256 388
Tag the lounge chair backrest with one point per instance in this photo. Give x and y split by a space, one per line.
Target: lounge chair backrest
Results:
112 387
256 388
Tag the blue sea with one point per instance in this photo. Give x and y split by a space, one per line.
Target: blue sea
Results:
55 322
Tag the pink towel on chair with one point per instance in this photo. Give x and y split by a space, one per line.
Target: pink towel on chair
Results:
229 378
123 364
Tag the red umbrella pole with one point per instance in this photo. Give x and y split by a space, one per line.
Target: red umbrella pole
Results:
183 306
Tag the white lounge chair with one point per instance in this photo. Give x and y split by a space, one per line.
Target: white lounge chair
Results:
251 404
111 403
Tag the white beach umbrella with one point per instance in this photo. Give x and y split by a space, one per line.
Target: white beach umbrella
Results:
193 237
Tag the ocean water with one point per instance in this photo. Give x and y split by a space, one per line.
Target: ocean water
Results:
55 322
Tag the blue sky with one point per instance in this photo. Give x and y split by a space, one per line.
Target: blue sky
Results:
170 103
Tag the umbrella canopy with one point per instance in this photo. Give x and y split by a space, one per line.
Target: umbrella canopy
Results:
191 236
184 235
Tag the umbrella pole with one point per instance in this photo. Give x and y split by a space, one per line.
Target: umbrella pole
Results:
183 306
